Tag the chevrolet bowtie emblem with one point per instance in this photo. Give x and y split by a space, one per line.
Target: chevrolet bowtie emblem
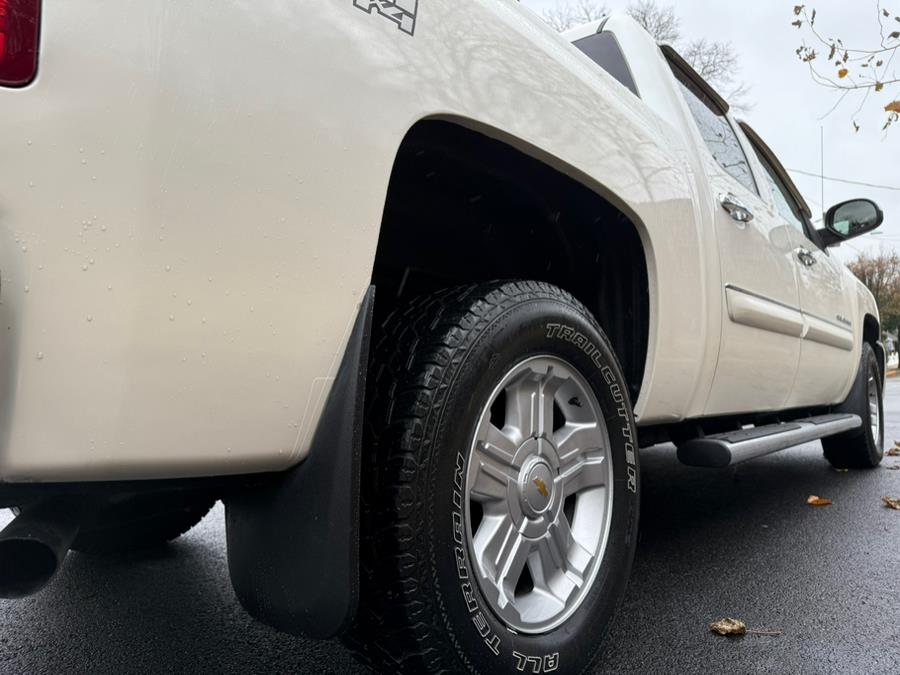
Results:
542 487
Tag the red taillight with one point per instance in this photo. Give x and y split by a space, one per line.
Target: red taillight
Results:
19 30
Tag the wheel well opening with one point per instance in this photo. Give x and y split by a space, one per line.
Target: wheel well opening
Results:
463 207
872 335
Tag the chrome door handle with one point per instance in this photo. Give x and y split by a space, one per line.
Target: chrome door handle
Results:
735 208
806 256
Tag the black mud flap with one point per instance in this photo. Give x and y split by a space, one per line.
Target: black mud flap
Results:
293 542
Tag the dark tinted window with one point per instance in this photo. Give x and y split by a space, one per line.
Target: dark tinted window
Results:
717 133
603 49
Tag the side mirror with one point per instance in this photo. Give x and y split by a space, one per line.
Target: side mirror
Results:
851 219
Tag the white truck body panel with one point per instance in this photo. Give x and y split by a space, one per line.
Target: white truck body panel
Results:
191 196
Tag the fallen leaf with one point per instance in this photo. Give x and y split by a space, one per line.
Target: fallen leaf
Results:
893 452
732 627
879 86
892 502
728 627
893 106
842 73
813 500
896 467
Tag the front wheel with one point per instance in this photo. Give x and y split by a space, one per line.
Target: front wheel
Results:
500 504
861 448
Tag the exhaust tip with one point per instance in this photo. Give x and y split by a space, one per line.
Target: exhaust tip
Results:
26 566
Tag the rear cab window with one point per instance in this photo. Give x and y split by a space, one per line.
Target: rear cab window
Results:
716 130
603 49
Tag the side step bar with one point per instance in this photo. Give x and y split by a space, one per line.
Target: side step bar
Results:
720 450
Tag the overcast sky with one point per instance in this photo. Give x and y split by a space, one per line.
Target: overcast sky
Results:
788 105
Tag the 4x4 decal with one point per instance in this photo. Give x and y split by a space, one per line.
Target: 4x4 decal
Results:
401 12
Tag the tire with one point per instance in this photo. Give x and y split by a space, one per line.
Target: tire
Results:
436 367
144 522
861 448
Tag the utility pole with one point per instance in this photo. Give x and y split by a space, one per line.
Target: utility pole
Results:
822 167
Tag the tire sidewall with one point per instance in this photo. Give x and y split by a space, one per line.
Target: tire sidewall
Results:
531 328
870 367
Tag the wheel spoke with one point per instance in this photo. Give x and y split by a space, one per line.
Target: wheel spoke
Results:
574 439
492 468
587 472
502 553
529 404
560 562
495 443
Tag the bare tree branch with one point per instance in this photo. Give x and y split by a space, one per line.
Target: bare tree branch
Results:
660 22
565 15
717 62
836 66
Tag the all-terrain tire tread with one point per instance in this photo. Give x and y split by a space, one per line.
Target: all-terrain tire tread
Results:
413 351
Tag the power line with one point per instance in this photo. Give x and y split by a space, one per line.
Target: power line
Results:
844 180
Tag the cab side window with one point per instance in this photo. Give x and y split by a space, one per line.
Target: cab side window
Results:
603 49
784 203
717 133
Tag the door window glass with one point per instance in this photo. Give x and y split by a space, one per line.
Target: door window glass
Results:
784 203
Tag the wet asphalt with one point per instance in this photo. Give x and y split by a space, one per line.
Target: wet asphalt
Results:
738 542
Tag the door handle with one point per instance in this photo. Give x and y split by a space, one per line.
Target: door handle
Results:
806 256
735 208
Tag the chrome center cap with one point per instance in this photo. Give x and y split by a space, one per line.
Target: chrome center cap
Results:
536 486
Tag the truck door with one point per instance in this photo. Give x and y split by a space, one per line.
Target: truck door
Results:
828 356
762 323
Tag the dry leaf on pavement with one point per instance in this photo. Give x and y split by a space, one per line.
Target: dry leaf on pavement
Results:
728 627
892 502
733 627
893 452
813 500
896 467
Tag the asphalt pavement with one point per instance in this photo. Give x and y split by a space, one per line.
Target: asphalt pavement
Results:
738 542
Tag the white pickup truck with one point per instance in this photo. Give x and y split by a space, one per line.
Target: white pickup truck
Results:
406 285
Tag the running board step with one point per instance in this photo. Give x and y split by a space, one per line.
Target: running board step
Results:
720 450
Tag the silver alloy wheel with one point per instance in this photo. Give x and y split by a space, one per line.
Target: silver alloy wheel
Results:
539 488
874 414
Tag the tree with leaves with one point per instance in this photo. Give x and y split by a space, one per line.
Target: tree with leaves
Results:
880 273
716 62
845 69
